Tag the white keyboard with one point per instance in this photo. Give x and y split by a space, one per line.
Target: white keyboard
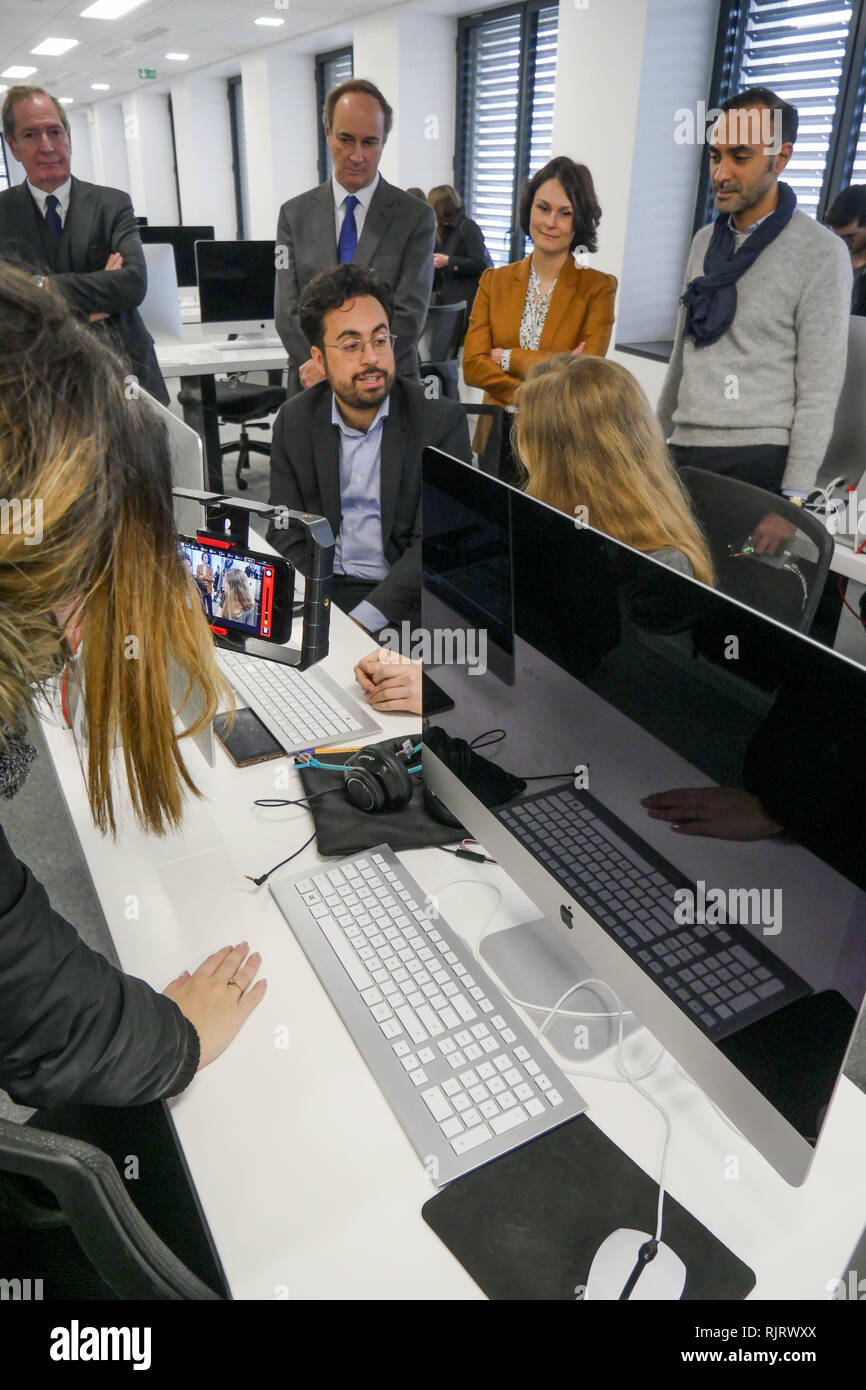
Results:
463 1074
244 344
301 709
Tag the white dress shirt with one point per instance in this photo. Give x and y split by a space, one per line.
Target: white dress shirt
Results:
61 194
363 195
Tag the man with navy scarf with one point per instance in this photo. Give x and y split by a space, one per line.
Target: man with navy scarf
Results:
761 340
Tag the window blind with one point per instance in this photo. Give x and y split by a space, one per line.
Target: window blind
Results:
505 118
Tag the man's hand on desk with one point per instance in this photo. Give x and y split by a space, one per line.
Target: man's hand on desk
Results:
390 681
726 813
114 262
219 997
310 372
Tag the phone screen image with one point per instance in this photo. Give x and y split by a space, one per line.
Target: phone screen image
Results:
237 591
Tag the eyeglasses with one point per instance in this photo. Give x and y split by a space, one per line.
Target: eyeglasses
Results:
353 347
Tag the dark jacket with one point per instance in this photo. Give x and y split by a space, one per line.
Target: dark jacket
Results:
99 220
72 1026
396 241
468 258
305 476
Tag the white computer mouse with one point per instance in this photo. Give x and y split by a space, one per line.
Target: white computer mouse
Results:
663 1278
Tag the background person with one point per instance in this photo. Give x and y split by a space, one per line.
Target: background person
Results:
545 304
80 234
847 218
356 216
460 257
238 603
762 335
589 439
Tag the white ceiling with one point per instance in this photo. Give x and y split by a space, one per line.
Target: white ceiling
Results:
213 32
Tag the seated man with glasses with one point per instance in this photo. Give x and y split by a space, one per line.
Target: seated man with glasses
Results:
349 449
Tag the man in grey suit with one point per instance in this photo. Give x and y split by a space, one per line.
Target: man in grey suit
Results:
355 216
81 235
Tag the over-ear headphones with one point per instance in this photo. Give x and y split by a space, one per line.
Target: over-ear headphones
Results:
374 778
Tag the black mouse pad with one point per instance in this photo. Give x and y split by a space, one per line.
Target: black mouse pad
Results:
528 1225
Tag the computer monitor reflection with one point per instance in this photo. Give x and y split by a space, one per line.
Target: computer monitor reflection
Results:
738 937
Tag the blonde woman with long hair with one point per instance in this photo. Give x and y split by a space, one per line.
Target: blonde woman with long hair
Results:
97 466
589 439
238 602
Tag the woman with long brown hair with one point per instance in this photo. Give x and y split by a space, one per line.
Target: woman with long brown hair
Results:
593 447
460 256
96 466
238 602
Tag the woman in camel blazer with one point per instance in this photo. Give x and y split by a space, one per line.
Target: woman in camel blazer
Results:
536 308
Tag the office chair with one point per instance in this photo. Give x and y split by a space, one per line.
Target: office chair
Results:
439 345
787 586
242 403
92 1242
487 440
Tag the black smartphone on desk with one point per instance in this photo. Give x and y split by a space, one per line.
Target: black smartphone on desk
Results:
248 741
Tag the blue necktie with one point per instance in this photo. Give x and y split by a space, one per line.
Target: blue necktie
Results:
52 216
348 232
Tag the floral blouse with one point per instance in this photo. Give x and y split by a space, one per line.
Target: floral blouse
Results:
535 308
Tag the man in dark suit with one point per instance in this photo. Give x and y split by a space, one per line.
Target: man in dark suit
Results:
350 449
81 235
355 216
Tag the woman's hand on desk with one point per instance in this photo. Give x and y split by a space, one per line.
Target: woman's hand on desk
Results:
726 813
219 997
390 681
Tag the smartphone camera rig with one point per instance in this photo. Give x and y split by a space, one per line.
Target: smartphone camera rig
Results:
227 520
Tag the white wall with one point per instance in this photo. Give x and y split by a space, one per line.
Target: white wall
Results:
410 56
677 65
147 130
598 80
202 134
281 133
80 124
108 146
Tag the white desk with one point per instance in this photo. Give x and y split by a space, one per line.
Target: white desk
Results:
309 1185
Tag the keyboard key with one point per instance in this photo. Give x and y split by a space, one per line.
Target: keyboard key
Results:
451 1128
460 1101
451 1086
437 1104
402 1049
419 1076
479 1093
510 1120
535 1108
489 1108
554 1097
471 1139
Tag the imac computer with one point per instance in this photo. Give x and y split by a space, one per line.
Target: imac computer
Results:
182 240
670 777
236 288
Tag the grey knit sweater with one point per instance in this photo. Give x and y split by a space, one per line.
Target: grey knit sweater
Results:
775 375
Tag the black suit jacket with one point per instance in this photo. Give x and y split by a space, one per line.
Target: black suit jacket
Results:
305 476
99 220
396 241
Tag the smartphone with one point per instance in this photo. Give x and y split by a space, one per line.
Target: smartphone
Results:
249 741
241 592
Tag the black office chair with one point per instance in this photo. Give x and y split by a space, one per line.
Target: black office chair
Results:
439 345
787 586
243 403
91 1242
486 441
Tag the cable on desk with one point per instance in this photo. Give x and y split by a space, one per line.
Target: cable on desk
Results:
264 877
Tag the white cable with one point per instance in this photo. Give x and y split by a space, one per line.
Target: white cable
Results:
556 1009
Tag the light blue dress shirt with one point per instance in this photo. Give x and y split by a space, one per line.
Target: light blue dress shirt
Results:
359 550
